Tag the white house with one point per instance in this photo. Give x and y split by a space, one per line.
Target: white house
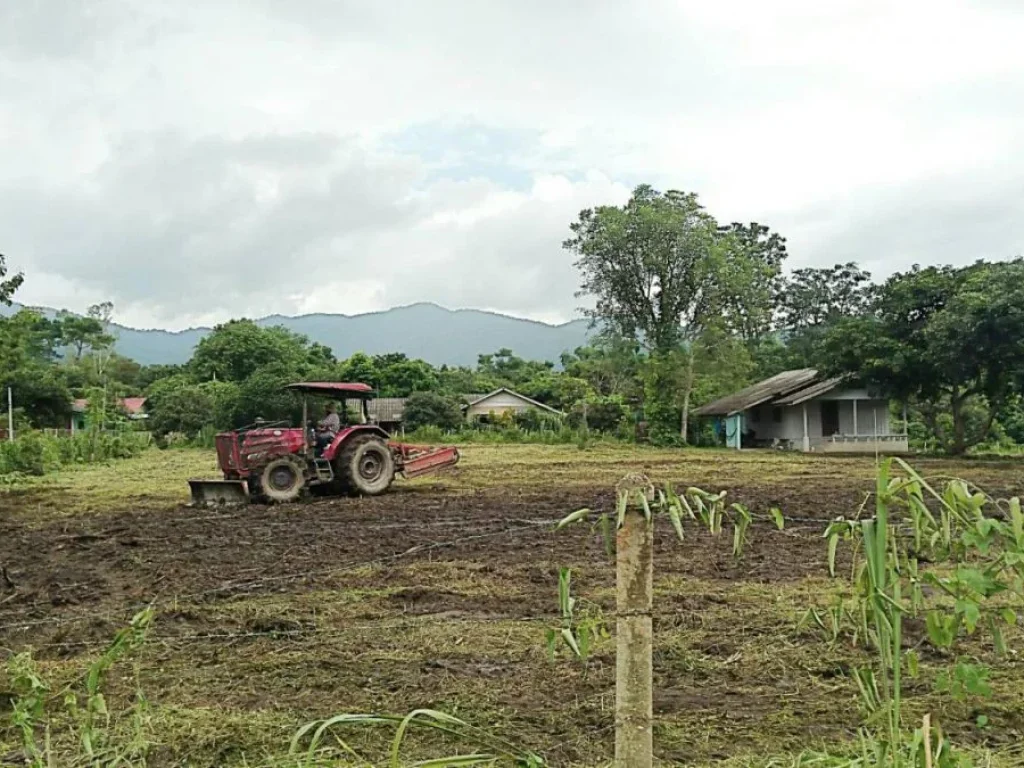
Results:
802 410
501 401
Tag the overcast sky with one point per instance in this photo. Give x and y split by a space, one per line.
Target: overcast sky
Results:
203 159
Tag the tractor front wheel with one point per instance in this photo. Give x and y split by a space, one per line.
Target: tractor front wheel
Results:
365 465
282 479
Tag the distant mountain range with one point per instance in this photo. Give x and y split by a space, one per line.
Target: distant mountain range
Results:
427 331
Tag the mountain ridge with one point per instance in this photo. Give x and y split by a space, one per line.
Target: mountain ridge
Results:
426 330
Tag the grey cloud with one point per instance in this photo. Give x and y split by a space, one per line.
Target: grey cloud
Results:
513 262
233 156
78 29
955 222
182 225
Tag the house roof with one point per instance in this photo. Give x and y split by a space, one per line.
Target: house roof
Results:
524 398
809 393
135 406
386 408
779 385
330 387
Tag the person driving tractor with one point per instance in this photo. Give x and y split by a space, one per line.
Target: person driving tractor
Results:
327 428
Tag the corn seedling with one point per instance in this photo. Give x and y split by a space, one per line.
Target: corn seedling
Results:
709 509
986 552
579 630
103 739
831 621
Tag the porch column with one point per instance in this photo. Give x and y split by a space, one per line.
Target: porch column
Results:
855 433
807 438
905 424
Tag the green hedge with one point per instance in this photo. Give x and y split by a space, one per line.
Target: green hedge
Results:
35 453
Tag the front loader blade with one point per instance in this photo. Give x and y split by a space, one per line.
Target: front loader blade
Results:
206 493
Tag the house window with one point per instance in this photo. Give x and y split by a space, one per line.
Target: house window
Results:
777 415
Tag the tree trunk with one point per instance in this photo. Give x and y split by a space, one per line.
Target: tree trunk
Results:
684 426
959 444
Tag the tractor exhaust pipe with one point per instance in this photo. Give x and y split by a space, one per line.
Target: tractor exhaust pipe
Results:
209 493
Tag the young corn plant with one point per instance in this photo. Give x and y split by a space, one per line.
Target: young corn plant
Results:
980 543
711 510
581 625
96 737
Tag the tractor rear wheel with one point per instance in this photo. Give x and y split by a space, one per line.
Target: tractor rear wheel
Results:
282 479
365 465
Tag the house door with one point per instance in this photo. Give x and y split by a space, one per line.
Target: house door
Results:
829 418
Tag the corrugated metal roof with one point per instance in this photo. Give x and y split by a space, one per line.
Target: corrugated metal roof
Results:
330 387
524 398
386 408
809 393
765 391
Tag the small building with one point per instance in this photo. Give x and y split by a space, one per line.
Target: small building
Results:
387 412
502 401
134 408
802 410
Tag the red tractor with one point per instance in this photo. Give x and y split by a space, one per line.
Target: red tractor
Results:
277 463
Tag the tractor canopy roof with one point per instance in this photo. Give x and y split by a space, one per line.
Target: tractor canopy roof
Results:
332 388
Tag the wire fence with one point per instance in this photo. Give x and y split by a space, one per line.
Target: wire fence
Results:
248 586
794 525
518 525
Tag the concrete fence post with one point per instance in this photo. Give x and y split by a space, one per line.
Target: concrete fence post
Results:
634 557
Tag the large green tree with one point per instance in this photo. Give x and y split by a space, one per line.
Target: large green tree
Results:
432 409
817 296
650 266
403 377
752 281
950 339
177 404
29 344
610 364
505 368
360 369
660 270
233 351
808 303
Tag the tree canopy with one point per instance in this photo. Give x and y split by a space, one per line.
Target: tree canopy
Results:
944 337
235 350
661 271
8 285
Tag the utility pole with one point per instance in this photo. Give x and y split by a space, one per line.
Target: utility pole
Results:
634 572
10 414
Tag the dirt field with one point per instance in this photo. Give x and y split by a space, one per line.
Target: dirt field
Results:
438 594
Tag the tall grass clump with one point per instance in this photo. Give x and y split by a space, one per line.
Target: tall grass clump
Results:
36 453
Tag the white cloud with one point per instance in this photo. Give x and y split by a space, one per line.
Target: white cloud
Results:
198 161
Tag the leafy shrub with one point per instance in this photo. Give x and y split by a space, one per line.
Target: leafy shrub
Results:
603 414
430 409
536 420
35 453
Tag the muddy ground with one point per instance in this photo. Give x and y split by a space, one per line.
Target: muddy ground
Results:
432 597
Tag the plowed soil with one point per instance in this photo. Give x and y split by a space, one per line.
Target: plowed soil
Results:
438 596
